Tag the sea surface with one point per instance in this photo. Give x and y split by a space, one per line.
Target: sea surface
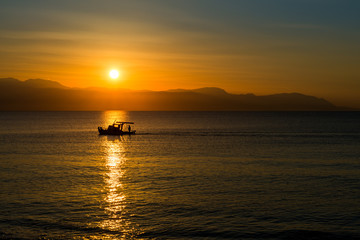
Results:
184 175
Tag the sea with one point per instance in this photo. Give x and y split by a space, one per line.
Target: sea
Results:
184 175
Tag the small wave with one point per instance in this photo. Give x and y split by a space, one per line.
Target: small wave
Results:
251 134
219 234
46 226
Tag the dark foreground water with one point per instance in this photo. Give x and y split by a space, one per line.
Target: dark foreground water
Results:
185 175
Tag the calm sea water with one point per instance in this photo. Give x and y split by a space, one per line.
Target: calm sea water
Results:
185 175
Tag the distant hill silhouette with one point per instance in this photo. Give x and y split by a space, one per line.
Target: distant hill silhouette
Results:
35 83
41 83
206 90
45 95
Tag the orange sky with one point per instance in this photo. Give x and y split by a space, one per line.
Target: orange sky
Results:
241 46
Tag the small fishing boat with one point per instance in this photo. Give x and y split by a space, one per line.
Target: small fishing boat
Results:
118 128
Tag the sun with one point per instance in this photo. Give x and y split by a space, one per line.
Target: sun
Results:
114 74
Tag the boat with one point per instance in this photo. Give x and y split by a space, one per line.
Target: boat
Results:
118 128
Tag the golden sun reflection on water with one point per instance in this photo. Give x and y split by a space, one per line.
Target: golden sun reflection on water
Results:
114 203
115 199
110 116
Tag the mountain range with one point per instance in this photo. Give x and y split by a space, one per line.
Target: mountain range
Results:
45 95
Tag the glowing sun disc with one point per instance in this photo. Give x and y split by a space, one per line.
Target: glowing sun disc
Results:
114 74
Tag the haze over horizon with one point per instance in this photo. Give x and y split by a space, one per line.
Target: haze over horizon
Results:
261 47
45 95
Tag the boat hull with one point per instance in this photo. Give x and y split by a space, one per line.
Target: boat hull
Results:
114 132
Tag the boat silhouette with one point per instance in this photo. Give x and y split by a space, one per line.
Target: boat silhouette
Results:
117 128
